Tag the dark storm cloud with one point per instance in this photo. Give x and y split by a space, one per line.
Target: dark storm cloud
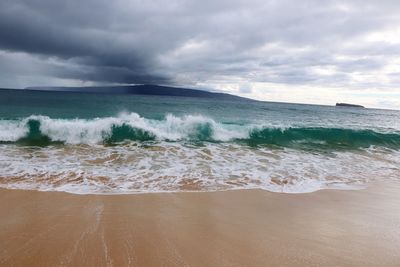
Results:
197 42
52 30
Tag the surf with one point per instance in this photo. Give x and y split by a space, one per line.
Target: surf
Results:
42 130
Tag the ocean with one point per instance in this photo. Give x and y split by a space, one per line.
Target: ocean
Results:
89 143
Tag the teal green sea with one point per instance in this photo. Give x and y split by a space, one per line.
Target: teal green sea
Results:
133 140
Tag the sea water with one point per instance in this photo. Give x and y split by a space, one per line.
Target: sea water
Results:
114 143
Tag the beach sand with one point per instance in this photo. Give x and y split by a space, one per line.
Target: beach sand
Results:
233 228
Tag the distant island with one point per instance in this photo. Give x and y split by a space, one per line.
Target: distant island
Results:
146 89
349 105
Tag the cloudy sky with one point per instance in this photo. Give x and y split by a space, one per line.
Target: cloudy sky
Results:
308 51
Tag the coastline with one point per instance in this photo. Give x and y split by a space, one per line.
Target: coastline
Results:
233 228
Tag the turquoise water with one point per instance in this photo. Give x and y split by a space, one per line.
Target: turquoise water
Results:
140 143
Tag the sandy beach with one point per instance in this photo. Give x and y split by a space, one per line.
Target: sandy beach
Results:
233 228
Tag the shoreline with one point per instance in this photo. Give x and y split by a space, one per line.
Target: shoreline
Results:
239 227
188 191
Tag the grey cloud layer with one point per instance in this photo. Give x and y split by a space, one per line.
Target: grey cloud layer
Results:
190 42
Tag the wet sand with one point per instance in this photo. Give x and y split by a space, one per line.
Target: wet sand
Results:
235 228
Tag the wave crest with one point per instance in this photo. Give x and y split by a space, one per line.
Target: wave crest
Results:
43 130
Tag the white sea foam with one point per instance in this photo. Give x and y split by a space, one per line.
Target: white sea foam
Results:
93 131
11 130
170 167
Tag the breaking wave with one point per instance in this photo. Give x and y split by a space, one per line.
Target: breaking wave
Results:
42 130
